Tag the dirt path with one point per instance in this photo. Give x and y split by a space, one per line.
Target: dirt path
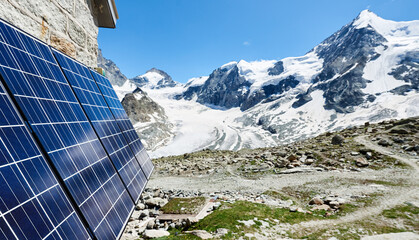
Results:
394 195
398 195
411 161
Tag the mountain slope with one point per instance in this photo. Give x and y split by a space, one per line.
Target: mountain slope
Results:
366 71
337 66
113 73
148 117
154 78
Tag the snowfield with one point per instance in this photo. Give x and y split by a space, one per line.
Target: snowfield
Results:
198 126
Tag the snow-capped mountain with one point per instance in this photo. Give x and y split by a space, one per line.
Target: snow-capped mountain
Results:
148 117
366 71
154 78
350 68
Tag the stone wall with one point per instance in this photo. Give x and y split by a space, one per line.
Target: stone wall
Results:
68 25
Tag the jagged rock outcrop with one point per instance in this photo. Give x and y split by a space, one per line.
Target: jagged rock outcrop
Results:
345 55
148 117
224 87
113 73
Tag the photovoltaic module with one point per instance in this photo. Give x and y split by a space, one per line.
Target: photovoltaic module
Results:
71 163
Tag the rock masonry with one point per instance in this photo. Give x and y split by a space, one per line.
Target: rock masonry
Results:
68 25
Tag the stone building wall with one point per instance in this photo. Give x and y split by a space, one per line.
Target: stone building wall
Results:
68 25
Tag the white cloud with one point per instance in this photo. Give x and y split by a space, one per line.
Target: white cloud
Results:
246 43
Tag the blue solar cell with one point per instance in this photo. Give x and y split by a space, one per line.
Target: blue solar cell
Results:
54 114
93 103
124 123
32 203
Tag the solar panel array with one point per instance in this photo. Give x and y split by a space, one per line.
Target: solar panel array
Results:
104 123
32 203
124 123
67 170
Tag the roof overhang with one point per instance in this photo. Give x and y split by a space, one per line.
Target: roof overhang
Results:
106 13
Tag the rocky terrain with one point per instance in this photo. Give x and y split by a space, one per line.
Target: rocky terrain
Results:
149 119
112 71
358 183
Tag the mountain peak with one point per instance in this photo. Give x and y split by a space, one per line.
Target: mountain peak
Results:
154 78
367 18
155 70
366 14
229 65
386 27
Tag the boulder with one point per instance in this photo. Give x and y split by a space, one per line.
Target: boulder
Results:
140 206
309 161
190 221
216 205
293 209
337 139
322 207
144 213
361 162
156 202
384 143
149 234
399 131
151 224
329 199
316 201
334 204
281 154
172 226
220 232
201 234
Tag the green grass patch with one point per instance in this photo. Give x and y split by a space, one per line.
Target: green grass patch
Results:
184 205
407 213
381 182
276 195
348 231
175 234
302 195
228 216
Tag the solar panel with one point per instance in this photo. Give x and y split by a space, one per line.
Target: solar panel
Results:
32 203
104 123
124 123
56 118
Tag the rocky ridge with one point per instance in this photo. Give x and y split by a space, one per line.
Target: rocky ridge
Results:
112 71
148 118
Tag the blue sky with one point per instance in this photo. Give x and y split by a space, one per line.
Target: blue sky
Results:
191 38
